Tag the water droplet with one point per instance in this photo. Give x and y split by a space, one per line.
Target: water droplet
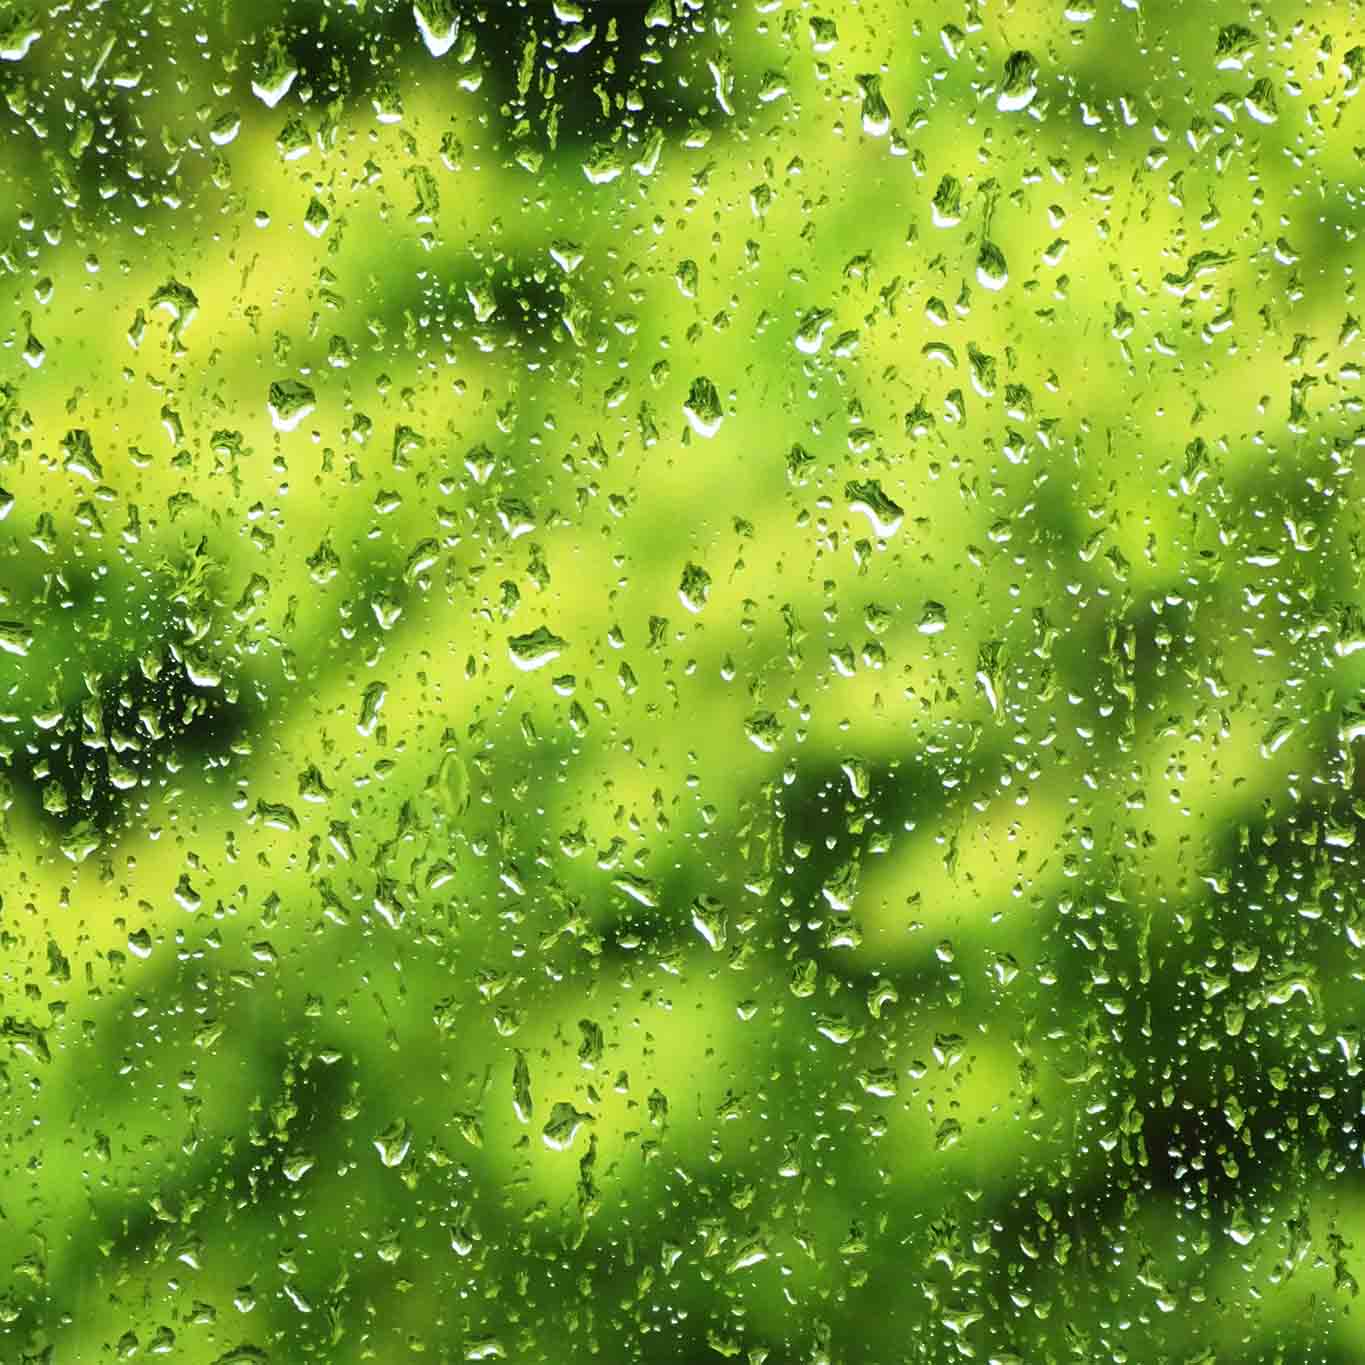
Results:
1261 103
689 279
180 301
933 618
438 24
296 1166
482 300
723 78
316 219
563 1125
387 610
764 730
810 335
709 920
750 1254
859 779
567 255
879 1081
393 1143
1235 41
516 517
1020 84
289 402
990 673
694 589
244 1355
1280 730
836 1028
535 649
824 35
80 841
484 1348
991 270
18 35
946 207
522 1104
949 1134
876 113
840 888
648 161
1352 722
702 409
638 888
867 496
371 703
772 87
224 129
604 164
387 103
274 76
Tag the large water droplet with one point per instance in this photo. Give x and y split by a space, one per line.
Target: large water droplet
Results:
695 587
15 638
535 649
563 1126
810 336
991 270
438 24
867 496
289 402
947 202
393 1143
274 77
1261 103
1020 84
18 35
702 409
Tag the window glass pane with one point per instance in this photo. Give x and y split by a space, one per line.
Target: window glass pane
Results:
681 680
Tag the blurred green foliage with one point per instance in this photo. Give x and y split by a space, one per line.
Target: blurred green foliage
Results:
681 681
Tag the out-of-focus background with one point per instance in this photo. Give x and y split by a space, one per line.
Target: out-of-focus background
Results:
681 681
